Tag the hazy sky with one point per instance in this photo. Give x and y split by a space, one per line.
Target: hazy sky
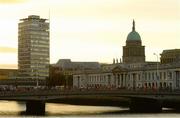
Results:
92 30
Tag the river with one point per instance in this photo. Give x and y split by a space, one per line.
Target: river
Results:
16 109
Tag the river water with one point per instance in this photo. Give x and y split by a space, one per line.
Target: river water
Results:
16 109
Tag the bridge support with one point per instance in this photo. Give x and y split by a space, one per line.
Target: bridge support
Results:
35 107
145 105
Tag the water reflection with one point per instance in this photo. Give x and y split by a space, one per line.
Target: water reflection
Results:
12 108
64 109
52 109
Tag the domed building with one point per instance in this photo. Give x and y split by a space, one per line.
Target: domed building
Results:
134 73
133 52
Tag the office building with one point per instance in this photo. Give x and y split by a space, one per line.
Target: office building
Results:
33 48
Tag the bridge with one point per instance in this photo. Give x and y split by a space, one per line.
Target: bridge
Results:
137 101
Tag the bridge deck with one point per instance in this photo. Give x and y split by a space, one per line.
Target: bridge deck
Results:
58 94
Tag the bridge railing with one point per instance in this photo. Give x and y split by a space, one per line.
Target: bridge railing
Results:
81 92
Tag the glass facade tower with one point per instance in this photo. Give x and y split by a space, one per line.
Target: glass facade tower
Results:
33 48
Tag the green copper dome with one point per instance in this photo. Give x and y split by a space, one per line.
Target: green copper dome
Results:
133 35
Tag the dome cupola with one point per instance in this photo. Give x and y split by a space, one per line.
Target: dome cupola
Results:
133 35
133 52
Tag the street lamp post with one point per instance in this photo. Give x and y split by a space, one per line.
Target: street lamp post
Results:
157 67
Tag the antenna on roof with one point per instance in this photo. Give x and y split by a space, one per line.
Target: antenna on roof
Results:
49 29
49 17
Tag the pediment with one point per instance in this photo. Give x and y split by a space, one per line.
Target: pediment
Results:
118 69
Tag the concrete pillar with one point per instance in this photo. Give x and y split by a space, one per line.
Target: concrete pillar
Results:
115 80
124 80
134 80
35 107
120 77
172 80
129 81
145 105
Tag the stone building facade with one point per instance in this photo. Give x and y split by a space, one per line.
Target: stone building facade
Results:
134 77
133 52
170 56
134 72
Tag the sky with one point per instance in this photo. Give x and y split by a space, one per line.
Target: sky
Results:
92 30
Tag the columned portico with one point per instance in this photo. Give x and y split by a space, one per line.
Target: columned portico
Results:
119 76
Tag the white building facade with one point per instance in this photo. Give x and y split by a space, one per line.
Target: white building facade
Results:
144 78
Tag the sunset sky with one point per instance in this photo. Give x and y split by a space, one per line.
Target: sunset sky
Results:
92 30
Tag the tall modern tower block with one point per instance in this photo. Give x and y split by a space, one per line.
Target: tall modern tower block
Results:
33 48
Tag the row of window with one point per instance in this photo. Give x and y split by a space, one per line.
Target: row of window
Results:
101 79
40 41
25 32
147 76
159 75
40 46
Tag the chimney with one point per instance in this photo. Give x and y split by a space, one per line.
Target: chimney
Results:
113 61
117 61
